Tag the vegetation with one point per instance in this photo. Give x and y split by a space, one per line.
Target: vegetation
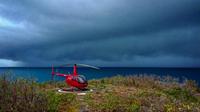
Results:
19 95
135 93
22 95
143 93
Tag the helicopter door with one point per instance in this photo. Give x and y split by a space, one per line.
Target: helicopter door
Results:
74 78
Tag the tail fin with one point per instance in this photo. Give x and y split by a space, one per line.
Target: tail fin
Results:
52 73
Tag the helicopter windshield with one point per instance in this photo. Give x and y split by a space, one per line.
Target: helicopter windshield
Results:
81 79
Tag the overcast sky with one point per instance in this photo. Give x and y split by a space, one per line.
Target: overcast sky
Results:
137 33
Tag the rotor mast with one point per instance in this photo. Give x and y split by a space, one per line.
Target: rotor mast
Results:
75 70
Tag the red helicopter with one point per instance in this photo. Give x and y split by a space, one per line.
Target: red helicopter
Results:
74 79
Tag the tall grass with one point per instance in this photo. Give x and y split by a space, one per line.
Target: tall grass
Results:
20 95
143 93
26 95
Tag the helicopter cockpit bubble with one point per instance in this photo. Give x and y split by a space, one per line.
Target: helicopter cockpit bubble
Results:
81 79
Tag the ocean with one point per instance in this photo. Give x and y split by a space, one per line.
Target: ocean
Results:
42 74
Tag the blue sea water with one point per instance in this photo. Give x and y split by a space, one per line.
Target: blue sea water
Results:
44 73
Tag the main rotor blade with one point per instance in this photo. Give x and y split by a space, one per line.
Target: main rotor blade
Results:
83 65
90 66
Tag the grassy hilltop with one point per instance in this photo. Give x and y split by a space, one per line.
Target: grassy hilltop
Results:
141 93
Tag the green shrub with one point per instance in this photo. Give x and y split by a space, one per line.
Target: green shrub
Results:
53 101
134 107
181 94
58 102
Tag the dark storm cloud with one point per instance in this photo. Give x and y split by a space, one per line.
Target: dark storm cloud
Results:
106 32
